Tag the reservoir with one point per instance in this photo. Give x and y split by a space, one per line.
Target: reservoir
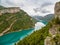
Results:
11 38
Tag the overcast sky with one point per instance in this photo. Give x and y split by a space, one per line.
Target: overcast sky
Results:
32 7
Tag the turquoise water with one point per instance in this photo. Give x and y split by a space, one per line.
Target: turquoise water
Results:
43 21
9 39
13 37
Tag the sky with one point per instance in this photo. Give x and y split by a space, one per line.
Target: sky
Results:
32 7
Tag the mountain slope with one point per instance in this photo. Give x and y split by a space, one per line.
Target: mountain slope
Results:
36 38
10 22
42 36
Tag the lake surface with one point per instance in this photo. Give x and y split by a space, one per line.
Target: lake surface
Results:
11 38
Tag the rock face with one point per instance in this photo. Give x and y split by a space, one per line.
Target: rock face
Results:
48 41
54 38
57 10
9 10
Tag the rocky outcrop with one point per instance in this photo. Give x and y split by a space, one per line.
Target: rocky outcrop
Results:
9 10
54 38
48 41
57 10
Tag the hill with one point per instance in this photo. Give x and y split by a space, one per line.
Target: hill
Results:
14 19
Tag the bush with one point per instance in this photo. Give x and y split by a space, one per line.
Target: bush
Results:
57 20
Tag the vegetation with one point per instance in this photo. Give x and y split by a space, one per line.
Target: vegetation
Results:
36 38
17 21
1 7
57 20
57 39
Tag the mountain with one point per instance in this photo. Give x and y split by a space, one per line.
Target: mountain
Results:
45 18
1 7
48 35
14 19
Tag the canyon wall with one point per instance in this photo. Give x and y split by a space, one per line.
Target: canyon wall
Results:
9 10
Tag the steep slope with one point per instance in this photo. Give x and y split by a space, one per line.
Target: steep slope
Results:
42 36
36 38
16 21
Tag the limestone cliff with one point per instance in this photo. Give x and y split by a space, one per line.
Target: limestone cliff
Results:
57 10
9 10
54 31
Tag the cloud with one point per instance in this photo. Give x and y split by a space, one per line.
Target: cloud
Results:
46 4
42 7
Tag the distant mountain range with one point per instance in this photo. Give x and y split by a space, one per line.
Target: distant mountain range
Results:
45 18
